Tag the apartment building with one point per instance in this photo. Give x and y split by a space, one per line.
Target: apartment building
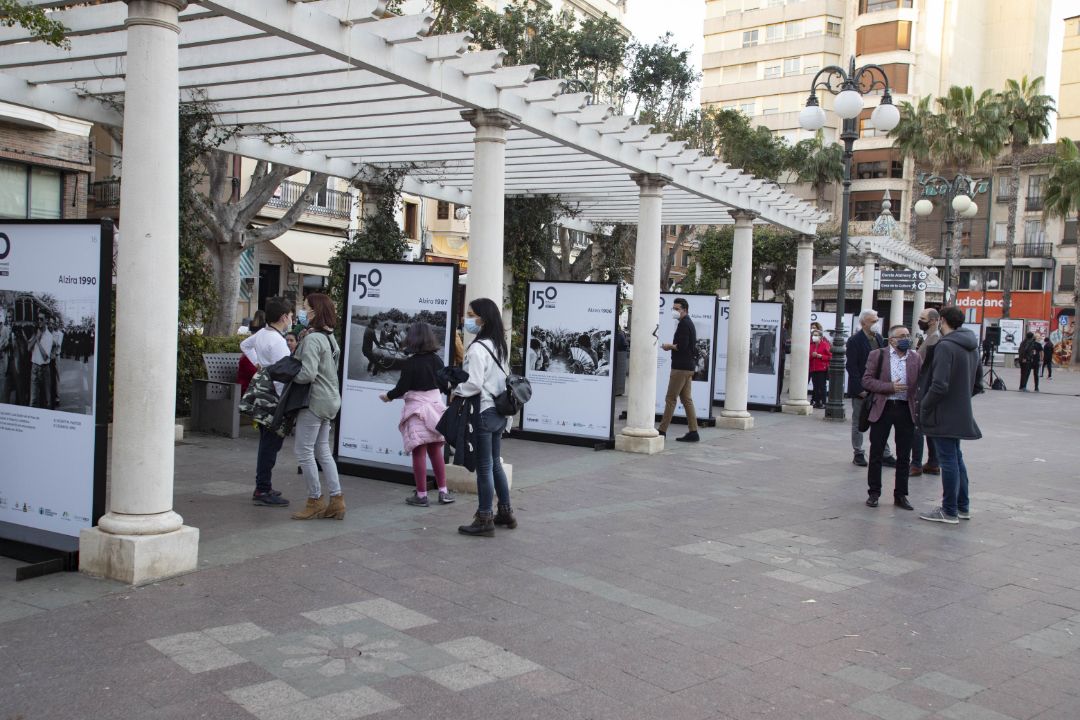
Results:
761 56
1068 121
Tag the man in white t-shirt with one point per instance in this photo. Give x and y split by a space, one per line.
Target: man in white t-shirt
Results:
41 346
263 349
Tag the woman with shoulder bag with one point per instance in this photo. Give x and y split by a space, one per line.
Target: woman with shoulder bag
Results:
484 362
318 354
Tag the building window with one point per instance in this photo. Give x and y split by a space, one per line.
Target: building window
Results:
1028 279
770 109
686 258
992 276
811 69
872 6
772 71
1068 278
866 210
410 220
28 192
965 279
793 29
747 109
749 38
773 3
832 28
442 212
1069 238
1001 231
1035 192
774 33
792 66
1033 233
883 37
1003 184
879 169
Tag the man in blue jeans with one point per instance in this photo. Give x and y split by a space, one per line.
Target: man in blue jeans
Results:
945 412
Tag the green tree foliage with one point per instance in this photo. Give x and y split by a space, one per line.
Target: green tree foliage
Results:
727 134
379 238
815 162
1024 112
660 78
35 20
1062 199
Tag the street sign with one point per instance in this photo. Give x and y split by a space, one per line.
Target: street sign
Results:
902 280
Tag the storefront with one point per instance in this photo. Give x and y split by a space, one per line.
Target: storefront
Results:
1029 305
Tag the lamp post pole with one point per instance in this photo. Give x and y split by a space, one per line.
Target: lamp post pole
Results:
852 84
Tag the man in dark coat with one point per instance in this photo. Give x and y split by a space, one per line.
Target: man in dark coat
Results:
859 347
945 411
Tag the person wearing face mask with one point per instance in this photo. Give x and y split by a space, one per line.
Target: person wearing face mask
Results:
929 321
485 361
891 378
820 355
683 349
859 347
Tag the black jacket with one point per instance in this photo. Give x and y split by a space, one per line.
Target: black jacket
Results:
684 356
420 372
858 350
945 403
458 425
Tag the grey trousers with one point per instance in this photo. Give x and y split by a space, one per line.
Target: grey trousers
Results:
856 436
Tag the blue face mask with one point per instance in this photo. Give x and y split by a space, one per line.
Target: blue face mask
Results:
471 326
903 344
301 317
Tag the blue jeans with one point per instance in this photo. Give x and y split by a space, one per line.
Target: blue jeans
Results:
490 478
954 477
269 444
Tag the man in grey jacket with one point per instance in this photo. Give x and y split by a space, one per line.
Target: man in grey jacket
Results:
945 412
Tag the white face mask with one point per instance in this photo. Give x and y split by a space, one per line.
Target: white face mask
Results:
815 337
676 314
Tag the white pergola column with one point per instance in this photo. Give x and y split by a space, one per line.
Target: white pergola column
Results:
896 309
140 539
797 403
488 190
918 304
640 435
868 266
734 415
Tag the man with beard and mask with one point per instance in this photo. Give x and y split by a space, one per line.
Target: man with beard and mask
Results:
946 415
929 322
683 348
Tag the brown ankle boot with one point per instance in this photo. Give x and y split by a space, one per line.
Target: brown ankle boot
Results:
336 509
312 509
505 516
482 525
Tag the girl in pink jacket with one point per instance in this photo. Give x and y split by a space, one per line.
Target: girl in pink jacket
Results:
419 385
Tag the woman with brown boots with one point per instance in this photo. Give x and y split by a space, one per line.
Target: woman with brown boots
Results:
484 362
318 354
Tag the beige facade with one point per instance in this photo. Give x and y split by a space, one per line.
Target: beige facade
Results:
1069 92
761 56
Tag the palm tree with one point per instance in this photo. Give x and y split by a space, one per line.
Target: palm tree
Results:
1062 198
819 164
911 138
1025 113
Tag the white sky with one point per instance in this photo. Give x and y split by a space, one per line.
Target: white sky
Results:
648 20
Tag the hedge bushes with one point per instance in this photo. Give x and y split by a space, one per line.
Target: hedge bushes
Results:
189 365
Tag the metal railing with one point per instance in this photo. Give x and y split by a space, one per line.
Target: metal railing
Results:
328 203
1034 250
105 193
1034 202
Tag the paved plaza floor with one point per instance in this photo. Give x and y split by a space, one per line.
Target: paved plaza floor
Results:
739 578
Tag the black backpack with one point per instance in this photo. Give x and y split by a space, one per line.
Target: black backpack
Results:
518 390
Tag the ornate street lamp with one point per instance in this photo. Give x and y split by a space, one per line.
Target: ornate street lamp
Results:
958 195
851 85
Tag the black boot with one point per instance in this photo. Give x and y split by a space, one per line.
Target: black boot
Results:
505 516
482 525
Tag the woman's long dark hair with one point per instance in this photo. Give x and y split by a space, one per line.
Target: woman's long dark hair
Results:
491 327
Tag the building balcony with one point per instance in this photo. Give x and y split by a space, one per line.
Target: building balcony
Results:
1032 204
1034 250
104 194
328 203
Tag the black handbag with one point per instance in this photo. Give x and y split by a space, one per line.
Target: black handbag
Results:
285 369
518 391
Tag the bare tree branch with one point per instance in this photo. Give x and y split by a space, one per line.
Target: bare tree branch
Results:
260 235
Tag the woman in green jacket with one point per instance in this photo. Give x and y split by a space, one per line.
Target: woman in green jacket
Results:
318 354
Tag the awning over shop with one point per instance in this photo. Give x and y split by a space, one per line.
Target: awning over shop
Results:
310 252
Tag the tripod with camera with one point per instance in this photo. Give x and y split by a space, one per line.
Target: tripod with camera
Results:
990 345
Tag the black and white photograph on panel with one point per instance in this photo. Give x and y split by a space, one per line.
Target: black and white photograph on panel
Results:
704 358
377 340
46 351
577 352
763 349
